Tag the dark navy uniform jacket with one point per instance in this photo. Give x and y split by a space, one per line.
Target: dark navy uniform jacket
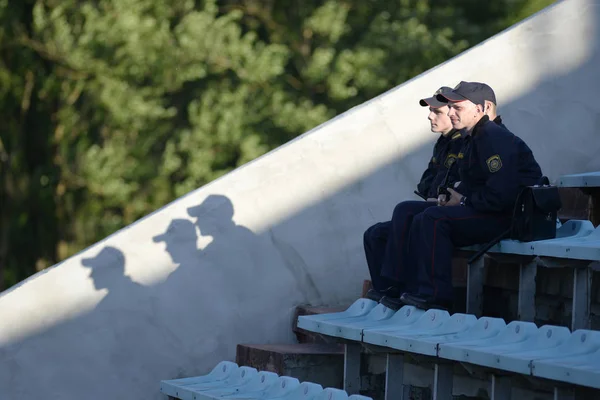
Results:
494 165
445 153
498 121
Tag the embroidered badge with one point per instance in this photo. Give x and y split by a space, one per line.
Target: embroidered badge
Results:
494 163
460 155
450 160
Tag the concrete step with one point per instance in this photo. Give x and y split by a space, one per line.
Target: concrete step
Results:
318 363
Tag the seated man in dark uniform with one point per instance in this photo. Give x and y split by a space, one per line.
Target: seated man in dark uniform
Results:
384 242
493 166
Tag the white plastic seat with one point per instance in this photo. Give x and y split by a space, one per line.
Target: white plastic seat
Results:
514 356
484 328
411 341
220 372
283 387
516 331
254 388
404 316
332 394
351 328
359 308
240 377
306 391
429 320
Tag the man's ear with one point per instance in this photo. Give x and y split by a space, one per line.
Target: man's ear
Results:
487 106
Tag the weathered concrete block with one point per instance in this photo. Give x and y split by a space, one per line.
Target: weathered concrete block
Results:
318 363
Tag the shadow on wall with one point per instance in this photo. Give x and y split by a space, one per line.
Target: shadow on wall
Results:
141 332
137 335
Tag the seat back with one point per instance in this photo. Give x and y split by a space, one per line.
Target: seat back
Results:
483 329
284 386
262 381
359 308
405 316
456 323
306 391
516 331
380 313
582 341
431 319
359 397
575 228
332 394
238 378
220 372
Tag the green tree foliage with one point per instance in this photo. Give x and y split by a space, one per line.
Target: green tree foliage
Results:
112 108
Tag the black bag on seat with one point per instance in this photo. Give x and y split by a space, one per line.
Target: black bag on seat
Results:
535 213
534 216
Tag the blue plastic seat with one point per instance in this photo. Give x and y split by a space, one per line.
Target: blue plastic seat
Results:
412 340
220 372
359 308
332 394
587 179
483 328
581 349
516 331
404 316
252 389
516 357
306 391
358 397
570 231
239 378
351 328
429 320
575 248
283 387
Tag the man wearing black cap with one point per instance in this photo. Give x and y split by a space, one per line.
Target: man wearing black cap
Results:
493 166
384 242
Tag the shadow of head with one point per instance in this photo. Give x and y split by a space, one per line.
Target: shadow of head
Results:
106 266
180 238
214 212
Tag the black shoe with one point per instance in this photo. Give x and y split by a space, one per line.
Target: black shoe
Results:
374 295
377 295
393 303
425 303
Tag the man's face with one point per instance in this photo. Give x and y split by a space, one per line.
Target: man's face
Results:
464 114
440 122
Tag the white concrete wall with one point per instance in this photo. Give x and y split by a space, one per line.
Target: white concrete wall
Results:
136 316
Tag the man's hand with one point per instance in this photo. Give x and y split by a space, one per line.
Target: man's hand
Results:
441 200
454 198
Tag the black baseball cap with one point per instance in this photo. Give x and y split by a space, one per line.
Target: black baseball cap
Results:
475 92
433 101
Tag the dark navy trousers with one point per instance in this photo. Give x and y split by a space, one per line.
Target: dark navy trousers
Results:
435 233
386 248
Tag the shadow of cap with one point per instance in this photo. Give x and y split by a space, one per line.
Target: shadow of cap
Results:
212 204
108 255
177 229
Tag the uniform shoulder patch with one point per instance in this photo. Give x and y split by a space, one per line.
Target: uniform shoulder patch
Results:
450 160
494 163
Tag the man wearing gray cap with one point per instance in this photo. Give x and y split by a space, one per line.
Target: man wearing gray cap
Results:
493 166
384 242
